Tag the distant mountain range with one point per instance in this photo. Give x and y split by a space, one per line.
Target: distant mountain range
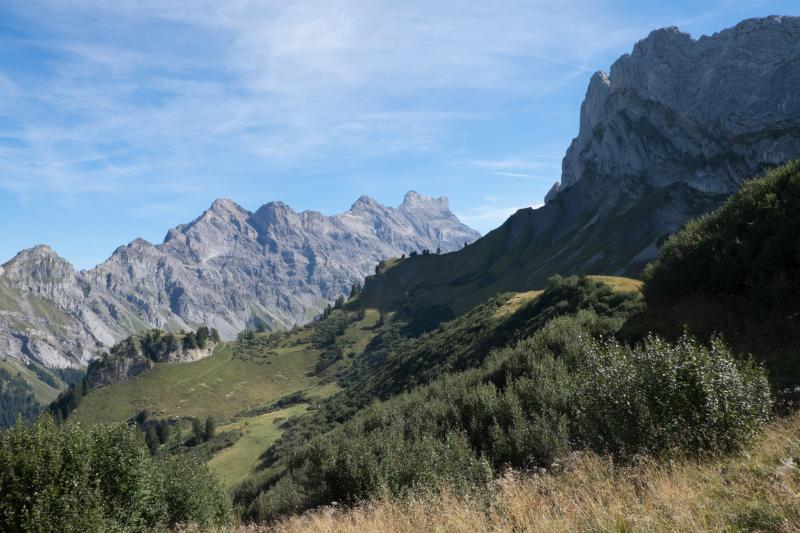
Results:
666 136
226 269
675 128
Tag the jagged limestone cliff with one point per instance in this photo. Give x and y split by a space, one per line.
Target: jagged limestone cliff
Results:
706 112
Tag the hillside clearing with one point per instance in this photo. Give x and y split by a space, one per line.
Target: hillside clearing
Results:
235 463
515 302
619 283
518 299
219 386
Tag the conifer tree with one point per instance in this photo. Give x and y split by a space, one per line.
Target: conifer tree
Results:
151 439
211 429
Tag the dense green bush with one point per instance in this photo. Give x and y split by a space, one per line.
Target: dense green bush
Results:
68 478
392 364
734 272
192 494
660 396
526 406
749 246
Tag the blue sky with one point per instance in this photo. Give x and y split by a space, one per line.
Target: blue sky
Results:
122 119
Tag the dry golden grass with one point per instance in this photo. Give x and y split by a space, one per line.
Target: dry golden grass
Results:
617 283
515 302
755 491
620 284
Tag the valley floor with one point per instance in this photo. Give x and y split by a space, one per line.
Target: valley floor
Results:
758 490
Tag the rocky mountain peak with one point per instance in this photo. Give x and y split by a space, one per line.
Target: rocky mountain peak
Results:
663 41
414 200
38 251
274 213
39 262
220 270
275 207
225 206
365 203
135 249
140 244
704 112
551 194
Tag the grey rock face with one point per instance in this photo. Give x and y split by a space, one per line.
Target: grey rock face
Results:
679 123
118 368
706 112
554 190
224 269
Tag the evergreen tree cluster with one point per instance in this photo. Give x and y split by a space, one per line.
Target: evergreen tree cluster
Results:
157 344
69 400
16 399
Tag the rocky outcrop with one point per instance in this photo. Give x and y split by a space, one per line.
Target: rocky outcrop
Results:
225 269
116 368
688 119
706 112
127 359
551 194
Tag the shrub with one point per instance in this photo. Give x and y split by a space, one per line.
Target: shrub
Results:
747 247
46 480
527 406
350 466
658 396
192 494
68 478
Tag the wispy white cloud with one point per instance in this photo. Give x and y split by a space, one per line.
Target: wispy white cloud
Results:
491 214
142 92
514 163
559 62
520 175
520 167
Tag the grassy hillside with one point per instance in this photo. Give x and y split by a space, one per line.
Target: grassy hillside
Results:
581 232
44 392
239 376
219 386
752 491
394 364
25 389
249 387
235 463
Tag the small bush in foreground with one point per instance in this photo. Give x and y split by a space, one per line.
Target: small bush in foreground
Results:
753 492
68 478
660 396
